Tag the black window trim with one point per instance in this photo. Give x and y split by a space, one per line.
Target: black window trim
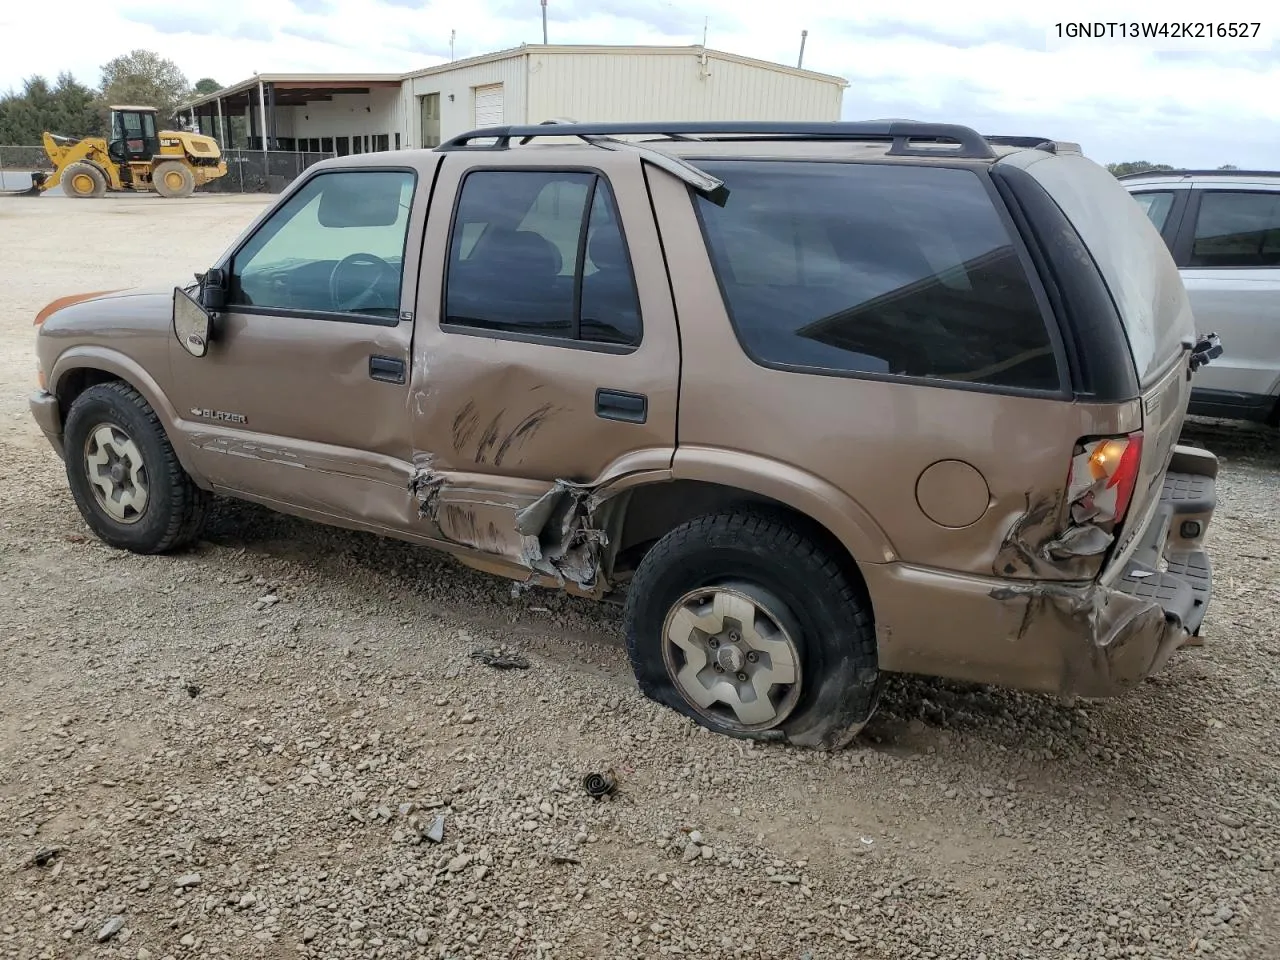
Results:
1043 302
328 316
1184 246
540 339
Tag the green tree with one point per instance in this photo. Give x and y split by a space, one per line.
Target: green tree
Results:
1228 166
147 79
76 111
67 108
206 86
1135 166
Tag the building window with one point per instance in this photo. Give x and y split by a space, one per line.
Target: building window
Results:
381 142
397 141
541 254
1237 229
860 268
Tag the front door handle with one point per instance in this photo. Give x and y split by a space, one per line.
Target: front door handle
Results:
386 369
621 405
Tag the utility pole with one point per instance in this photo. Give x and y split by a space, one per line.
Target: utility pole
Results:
800 62
544 22
453 35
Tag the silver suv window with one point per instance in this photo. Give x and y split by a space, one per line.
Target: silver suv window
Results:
1156 205
1237 229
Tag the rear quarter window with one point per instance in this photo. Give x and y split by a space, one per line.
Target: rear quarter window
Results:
876 269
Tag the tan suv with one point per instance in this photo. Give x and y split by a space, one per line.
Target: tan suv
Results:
825 400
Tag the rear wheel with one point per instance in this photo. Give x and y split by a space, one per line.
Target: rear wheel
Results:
745 622
83 180
173 179
125 478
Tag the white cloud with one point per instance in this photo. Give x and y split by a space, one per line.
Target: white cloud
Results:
986 64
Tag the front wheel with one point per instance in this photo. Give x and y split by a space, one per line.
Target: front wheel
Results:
745 622
83 180
125 478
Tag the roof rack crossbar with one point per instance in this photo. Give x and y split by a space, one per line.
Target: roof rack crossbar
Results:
904 136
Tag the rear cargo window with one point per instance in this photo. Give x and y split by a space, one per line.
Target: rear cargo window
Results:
868 268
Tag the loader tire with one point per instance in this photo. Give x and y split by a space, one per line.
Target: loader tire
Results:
83 180
173 179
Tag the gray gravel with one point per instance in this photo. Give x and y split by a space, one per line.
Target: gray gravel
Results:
333 775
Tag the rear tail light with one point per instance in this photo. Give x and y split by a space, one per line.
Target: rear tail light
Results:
1104 474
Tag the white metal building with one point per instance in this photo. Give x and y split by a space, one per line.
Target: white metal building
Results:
348 113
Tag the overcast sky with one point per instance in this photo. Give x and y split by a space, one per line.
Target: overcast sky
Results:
986 64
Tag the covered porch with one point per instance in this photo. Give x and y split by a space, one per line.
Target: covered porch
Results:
327 114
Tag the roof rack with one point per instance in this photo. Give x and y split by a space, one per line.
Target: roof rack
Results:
969 144
1035 143
1199 173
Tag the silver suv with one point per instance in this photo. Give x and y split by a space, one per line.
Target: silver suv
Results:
1223 228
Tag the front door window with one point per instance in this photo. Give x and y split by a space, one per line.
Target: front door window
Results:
334 247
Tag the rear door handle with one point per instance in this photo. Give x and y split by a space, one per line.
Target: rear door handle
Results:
386 369
620 405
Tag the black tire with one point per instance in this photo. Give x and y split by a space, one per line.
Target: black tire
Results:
183 180
175 508
773 552
75 174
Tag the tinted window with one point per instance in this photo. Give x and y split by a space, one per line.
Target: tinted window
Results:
520 261
877 269
1237 230
337 245
1156 206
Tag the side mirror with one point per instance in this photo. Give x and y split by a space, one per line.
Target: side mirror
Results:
192 324
213 290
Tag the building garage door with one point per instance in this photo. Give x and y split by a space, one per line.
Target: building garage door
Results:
489 105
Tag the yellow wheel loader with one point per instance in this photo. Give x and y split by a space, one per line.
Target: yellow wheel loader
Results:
136 158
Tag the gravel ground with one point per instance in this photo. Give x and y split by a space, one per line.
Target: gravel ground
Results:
244 750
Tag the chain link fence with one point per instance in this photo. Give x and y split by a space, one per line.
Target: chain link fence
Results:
255 171
248 171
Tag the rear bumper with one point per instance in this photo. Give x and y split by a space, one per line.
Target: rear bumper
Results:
48 417
1092 639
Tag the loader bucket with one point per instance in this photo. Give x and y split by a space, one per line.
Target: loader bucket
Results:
37 181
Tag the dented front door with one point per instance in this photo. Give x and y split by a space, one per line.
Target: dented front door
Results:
545 359
302 399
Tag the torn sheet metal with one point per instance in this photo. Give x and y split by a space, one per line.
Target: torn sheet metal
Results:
1123 638
425 486
556 535
1037 546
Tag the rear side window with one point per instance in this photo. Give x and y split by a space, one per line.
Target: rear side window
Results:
541 254
1156 205
876 269
1237 230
